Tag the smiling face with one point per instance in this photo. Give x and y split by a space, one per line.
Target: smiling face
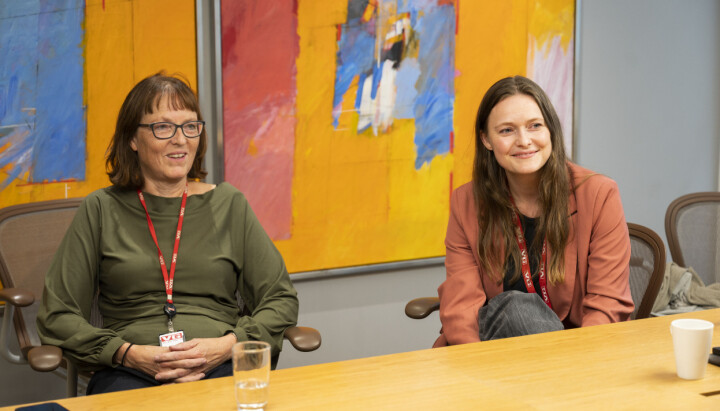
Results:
165 163
518 136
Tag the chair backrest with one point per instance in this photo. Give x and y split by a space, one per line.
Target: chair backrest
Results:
647 268
29 236
692 227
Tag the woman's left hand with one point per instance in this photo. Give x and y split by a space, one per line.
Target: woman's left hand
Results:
215 351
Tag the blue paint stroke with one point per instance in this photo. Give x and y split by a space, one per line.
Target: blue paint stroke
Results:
17 85
9 93
361 86
353 59
436 84
407 76
376 77
18 36
14 8
61 127
42 116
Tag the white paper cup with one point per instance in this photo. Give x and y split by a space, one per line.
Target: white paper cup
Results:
692 340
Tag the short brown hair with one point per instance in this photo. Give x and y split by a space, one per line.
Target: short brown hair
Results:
122 163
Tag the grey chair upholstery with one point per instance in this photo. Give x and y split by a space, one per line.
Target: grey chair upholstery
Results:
647 267
692 227
29 236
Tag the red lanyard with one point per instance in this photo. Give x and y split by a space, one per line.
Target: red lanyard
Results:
520 238
168 278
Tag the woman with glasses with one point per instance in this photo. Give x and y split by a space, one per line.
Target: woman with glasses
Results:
535 243
166 254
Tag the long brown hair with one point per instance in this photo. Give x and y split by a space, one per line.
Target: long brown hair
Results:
496 240
122 163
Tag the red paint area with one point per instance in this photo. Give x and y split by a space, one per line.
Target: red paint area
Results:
259 46
457 16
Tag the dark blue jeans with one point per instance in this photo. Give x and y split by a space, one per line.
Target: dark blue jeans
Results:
123 378
514 313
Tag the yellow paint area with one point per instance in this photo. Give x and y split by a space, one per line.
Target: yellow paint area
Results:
492 43
125 41
552 18
357 198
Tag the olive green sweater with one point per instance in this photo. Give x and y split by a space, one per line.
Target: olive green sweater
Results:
223 249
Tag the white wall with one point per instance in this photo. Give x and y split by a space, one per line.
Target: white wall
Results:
649 102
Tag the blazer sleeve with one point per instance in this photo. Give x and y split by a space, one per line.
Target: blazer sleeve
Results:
608 296
462 293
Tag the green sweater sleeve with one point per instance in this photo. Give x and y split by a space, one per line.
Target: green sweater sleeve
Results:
70 284
264 285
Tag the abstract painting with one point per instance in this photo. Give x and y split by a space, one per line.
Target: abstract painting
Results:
66 67
42 110
347 124
401 55
550 60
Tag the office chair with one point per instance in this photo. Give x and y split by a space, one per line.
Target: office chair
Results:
692 227
647 268
29 236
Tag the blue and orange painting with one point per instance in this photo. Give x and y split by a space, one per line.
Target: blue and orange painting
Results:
401 55
42 112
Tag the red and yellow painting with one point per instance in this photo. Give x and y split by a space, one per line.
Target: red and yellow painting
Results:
348 123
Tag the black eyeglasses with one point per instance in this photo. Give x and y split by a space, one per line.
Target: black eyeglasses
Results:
163 130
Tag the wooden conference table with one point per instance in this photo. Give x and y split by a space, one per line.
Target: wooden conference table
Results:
618 366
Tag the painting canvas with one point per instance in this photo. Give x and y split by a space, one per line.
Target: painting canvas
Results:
66 67
399 59
42 110
347 124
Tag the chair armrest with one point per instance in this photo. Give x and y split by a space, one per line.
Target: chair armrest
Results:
304 339
18 297
45 358
420 308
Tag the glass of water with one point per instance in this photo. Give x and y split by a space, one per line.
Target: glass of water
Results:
251 371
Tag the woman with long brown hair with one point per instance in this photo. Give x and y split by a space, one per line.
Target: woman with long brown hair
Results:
534 243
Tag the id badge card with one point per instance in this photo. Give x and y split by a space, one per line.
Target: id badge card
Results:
170 339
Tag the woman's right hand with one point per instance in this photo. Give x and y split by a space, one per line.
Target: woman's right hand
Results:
142 358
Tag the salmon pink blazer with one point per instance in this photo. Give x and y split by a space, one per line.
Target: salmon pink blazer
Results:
596 289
